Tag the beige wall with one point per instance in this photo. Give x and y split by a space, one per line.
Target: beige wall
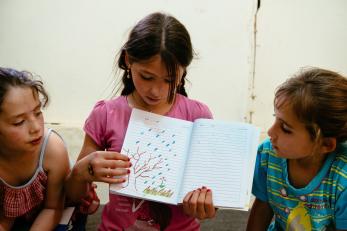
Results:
72 45
291 35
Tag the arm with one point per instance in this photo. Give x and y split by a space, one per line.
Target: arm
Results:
5 223
56 163
93 165
340 206
260 216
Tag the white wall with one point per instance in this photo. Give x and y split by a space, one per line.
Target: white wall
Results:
291 35
72 45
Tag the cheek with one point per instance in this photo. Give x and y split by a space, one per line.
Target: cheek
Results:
139 84
11 135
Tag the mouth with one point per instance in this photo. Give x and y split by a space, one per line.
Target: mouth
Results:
36 141
274 146
153 100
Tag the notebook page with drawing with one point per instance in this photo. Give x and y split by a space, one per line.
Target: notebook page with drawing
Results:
157 147
222 157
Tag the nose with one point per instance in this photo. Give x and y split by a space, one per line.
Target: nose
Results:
35 125
272 131
156 89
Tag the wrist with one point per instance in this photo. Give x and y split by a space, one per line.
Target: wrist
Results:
80 174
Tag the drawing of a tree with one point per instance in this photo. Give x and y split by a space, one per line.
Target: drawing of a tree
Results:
143 165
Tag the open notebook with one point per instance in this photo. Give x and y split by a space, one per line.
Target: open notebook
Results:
171 157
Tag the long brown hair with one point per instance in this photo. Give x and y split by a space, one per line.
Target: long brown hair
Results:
158 34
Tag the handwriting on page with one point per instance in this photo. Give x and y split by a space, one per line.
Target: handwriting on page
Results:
210 160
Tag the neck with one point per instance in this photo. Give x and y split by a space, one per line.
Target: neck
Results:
302 171
314 161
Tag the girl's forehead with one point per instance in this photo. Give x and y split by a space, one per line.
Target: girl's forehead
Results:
285 109
18 99
282 102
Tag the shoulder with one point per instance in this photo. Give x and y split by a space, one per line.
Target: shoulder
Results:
338 177
103 106
107 118
192 109
55 152
339 166
105 109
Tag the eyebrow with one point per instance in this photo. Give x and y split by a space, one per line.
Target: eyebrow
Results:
150 73
20 115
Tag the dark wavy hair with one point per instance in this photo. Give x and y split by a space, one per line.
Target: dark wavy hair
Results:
163 35
318 97
158 34
13 78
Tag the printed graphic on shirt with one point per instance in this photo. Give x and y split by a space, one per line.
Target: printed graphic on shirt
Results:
299 219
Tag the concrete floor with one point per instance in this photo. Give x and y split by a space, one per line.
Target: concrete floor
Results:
226 220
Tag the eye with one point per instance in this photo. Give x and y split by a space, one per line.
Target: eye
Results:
146 77
18 123
38 113
168 81
283 125
285 129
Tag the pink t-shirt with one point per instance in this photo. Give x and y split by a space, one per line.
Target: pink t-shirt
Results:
107 125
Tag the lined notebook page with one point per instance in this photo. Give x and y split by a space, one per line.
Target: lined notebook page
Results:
157 147
222 158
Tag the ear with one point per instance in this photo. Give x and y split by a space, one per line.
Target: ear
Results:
126 59
328 145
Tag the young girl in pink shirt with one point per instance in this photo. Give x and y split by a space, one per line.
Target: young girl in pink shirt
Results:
154 61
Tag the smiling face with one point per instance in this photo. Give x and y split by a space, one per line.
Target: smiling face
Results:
152 82
289 136
21 121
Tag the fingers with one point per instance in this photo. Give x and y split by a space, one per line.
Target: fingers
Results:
113 155
110 159
199 204
186 204
210 210
104 165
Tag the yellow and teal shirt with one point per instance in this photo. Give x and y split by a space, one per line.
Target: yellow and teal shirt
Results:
321 205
